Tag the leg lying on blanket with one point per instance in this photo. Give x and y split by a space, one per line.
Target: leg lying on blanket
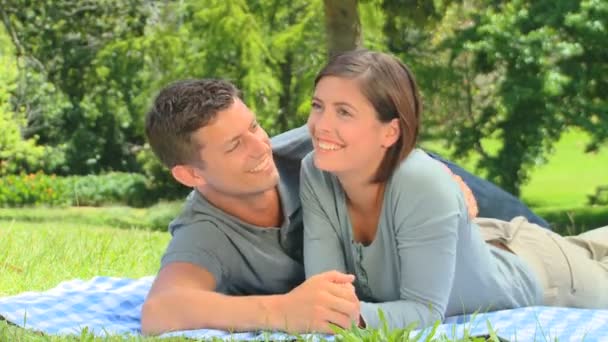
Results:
573 270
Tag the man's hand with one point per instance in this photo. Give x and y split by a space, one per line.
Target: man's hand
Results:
321 300
468 194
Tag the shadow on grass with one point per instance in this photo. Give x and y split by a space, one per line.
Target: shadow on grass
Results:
572 221
155 218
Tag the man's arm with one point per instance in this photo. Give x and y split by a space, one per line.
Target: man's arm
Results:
183 298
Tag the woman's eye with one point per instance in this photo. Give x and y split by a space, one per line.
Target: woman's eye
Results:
343 112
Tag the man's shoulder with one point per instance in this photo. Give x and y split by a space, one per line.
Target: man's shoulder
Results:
293 144
198 212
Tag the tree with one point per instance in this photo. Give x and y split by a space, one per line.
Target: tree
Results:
59 40
342 26
543 64
16 154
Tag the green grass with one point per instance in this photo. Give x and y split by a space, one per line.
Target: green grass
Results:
156 217
569 176
38 256
565 181
558 190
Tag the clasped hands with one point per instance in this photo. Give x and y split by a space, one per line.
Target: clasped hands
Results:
324 299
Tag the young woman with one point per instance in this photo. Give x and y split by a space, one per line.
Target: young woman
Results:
377 207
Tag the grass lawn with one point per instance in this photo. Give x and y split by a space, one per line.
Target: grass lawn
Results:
559 189
569 176
38 255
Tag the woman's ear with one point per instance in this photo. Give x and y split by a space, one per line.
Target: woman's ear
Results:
392 133
188 176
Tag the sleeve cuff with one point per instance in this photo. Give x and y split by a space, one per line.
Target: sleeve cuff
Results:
369 315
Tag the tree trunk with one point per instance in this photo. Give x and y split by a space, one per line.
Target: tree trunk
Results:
342 26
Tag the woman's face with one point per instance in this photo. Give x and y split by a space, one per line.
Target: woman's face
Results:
347 135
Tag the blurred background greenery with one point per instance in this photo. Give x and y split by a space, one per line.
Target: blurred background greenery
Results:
513 90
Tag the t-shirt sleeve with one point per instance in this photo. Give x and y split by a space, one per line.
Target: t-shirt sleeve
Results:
323 250
199 243
426 213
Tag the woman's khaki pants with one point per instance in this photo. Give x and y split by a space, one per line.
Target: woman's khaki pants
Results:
573 270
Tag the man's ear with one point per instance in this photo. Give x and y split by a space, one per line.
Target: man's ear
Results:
392 132
188 176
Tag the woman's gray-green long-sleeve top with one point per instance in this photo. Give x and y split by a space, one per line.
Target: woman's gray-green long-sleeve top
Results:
427 261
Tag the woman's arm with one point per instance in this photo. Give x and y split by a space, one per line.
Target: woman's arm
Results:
323 250
427 255
426 214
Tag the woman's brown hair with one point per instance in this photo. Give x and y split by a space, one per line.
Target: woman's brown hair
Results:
390 87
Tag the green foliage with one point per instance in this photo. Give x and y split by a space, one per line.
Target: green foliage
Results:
91 190
77 77
16 153
32 189
59 41
575 220
273 66
159 180
91 69
600 196
538 67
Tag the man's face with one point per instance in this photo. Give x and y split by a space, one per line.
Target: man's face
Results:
236 153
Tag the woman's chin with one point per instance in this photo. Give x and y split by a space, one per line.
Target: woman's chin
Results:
324 164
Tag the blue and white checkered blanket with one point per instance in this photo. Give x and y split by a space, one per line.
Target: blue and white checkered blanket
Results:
106 305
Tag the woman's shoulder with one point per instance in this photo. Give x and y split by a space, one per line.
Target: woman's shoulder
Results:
419 175
423 185
418 167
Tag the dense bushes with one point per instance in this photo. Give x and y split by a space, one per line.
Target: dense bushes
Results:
94 190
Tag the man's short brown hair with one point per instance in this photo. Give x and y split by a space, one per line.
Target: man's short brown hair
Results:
181 109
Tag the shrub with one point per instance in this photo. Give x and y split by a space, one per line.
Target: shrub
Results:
160 181
92 190
32 189
600 197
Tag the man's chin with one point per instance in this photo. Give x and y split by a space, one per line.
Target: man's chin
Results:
265 182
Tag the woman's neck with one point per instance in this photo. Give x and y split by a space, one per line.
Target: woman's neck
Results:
361 194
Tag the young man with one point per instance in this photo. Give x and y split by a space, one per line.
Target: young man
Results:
235 258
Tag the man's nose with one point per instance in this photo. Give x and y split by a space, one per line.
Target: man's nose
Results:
258 144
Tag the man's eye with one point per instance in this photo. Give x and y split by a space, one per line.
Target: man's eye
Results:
236 144
254 126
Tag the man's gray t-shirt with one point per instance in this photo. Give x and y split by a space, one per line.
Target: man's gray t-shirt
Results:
246 259
428 259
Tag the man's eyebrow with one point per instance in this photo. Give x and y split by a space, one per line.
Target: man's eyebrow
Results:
233 139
